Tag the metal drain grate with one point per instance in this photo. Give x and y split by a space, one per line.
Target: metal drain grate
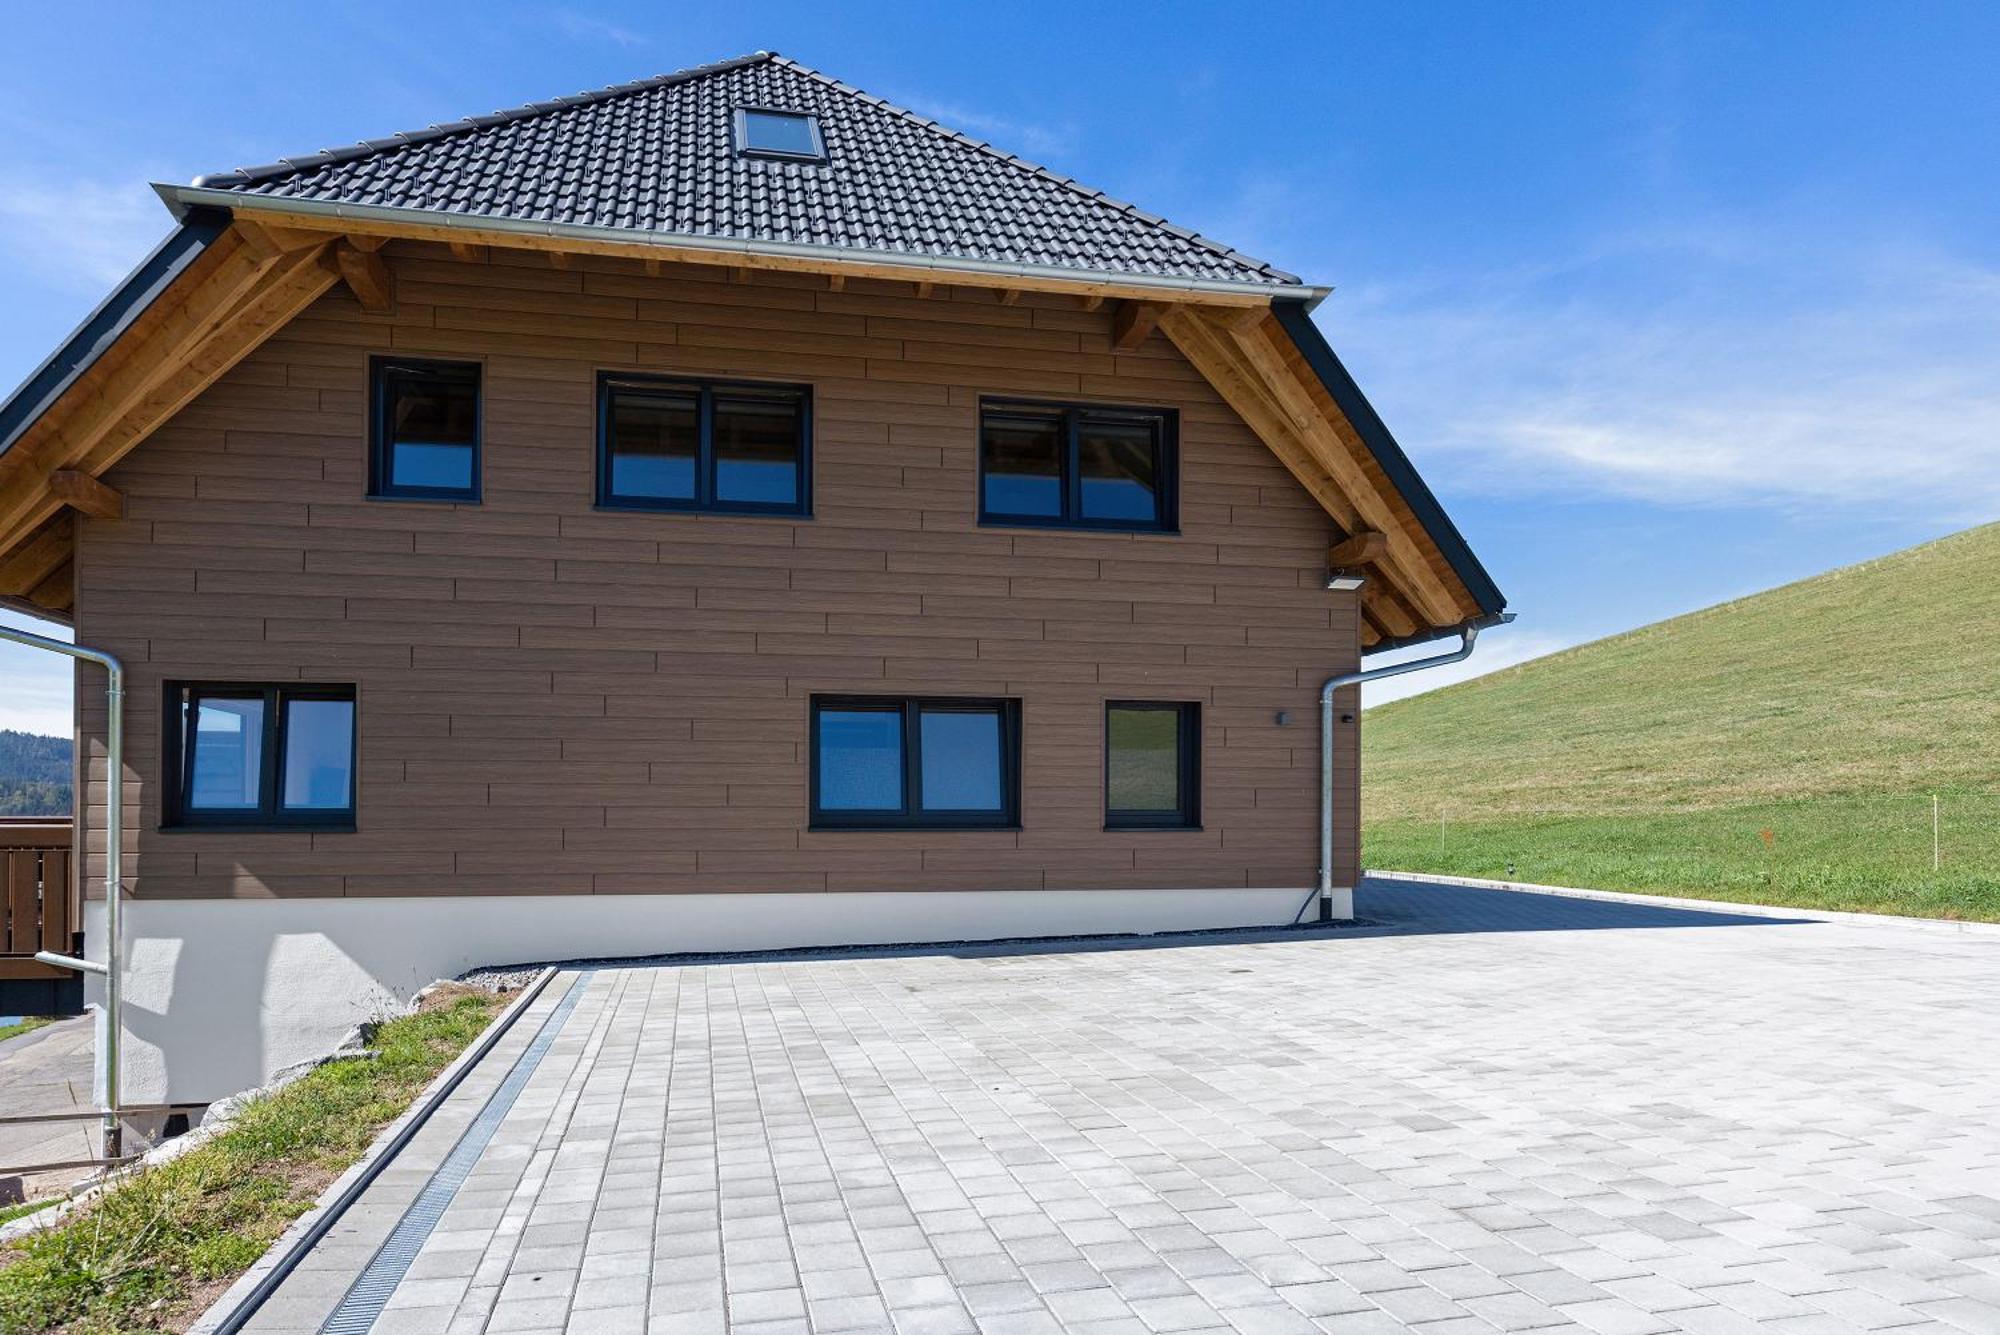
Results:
369 1294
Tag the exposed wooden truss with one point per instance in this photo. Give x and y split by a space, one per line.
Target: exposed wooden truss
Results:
1242 359
1132 322
250 282
926 276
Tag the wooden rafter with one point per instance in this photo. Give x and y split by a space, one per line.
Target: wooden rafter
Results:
84 492
46 551
1133 321
227 303
367 276
1358 550
1248 371
924 275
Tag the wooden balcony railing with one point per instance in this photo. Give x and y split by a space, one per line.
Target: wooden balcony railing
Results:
38 903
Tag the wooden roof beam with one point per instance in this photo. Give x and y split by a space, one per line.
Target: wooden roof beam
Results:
80 491
1132 322
1363 548
367 276
42 555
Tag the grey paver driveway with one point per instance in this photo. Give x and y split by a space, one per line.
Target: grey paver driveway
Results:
1500 1112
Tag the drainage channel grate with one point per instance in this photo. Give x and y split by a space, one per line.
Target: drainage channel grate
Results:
369 1294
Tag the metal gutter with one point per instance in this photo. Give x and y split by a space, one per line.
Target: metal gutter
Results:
181 198
199 227
1402 475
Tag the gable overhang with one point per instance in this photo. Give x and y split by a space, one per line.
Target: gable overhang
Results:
687 248
215 289
1419 581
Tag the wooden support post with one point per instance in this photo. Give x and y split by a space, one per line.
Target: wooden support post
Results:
654 266
1133 322
739 276
81 491
925 289
1093 302
836 282
367 276
558 259
469 252
1009 295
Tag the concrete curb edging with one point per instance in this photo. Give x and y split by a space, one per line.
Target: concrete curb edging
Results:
1705 905
307 1229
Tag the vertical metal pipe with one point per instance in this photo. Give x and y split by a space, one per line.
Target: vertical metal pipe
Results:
1470 636
114 863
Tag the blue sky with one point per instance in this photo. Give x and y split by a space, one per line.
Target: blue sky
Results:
1669 302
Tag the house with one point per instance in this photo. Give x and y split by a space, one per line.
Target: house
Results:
723 511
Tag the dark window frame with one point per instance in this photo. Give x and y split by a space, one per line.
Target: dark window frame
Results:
182 700
705 391
744 149
382 485
1188 815
1166 424
912 815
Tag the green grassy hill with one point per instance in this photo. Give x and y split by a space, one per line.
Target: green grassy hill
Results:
1781 748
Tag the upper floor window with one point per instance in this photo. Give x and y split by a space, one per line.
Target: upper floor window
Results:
769 133
259 756
667 444
424 439
1076 466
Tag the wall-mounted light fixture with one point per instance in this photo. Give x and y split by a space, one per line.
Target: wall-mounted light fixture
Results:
1344 581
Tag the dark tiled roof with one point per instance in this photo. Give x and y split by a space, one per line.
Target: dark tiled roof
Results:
658 156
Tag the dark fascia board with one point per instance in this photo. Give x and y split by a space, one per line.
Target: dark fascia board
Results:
1396 465
103 327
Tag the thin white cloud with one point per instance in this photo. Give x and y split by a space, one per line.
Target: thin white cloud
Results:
1803 378
586 27
1027 138
83 235
1502 647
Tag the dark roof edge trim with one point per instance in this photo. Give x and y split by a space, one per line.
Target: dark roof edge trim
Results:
1484 621
949 268
328 157
1402 474
102 327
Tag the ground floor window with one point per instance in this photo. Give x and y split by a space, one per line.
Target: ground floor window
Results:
255 756
897 763
1152 765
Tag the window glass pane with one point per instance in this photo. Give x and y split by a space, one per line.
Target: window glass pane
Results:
1118 464
433 421
757 448
228 747
319 754
860 760
655 439
1023 466
1144 772
961 760
779 132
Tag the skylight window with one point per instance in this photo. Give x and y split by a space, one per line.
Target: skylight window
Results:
765 133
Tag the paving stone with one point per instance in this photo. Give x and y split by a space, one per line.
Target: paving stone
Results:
1511 1111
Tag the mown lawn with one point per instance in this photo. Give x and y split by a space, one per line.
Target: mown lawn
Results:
1860 854
151 1252
1782 748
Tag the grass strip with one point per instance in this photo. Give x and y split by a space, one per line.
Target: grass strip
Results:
1859 856
27 1024
150 1253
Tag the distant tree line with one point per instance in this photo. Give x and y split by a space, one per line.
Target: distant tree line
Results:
34 774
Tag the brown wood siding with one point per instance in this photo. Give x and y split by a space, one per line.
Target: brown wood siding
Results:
564 700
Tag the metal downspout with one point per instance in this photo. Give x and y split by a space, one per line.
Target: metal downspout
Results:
114 855
1469 634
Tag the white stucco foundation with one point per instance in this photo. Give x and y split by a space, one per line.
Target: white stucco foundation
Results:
221 993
